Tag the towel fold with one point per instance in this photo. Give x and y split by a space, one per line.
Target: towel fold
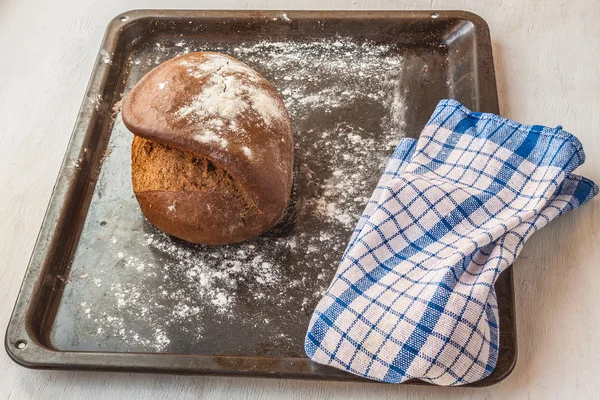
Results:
413 296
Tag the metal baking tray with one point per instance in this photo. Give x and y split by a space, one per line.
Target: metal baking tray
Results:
106 291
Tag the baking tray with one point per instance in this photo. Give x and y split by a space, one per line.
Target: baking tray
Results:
106 291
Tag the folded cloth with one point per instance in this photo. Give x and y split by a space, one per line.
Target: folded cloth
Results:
413 296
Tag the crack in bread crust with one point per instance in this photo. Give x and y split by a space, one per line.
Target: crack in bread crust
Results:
157 167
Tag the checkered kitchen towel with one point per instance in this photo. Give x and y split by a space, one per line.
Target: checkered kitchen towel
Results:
413 296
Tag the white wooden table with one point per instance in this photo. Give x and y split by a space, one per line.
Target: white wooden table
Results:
546 55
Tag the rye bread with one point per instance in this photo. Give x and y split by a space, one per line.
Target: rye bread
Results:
212 153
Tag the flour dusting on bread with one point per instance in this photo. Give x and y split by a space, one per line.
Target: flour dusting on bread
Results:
247 152
209 136
231 89
218 63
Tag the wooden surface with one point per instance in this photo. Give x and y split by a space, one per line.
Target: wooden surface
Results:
546 55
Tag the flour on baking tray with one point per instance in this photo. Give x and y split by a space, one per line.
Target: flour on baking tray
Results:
362 72
339 158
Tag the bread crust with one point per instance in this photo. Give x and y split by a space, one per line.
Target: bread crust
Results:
209 109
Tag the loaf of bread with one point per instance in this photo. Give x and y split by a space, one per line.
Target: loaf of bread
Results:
212 152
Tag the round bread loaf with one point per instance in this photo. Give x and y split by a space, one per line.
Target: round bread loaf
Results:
212 153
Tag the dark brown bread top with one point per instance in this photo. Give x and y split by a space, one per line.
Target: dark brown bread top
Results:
217 107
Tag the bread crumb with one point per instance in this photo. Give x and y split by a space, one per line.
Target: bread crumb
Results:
118 105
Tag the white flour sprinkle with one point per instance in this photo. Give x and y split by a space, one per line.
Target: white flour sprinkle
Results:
221 300
105 56
96 101
229 92
365 74
209 136
162 341
355 66
219 65
247 152
215 101
158 291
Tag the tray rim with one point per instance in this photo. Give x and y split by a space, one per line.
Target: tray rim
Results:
35 355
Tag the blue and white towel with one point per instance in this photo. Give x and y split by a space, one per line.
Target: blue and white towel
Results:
413 296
